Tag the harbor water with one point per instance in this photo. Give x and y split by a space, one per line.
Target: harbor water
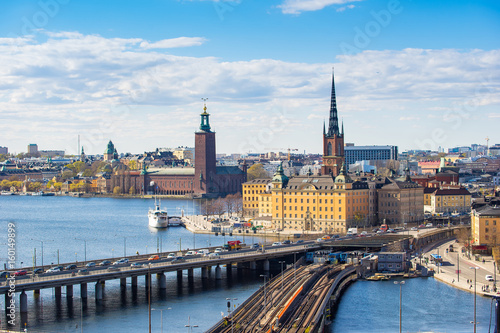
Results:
97 228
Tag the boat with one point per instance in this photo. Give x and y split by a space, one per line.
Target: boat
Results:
7 193
158 218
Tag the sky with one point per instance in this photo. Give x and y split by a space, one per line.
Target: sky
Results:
416 74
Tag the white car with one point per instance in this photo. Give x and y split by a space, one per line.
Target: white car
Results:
276 244
190 253
218 250
213 255
489 278
320 240
171 256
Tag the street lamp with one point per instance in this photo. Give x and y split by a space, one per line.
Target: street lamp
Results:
282 262
41 241
265 277
189 326
161 316
84 245
474 322
400 300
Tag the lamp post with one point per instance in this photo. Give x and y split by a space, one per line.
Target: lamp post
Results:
400 301
474 322
41 241
282 262
161 316
265 277
189 326
84 246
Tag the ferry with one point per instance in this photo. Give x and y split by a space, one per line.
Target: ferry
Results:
158 218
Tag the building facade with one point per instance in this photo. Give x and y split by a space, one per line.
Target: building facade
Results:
354 154
450 200
485 225
251 193
400 202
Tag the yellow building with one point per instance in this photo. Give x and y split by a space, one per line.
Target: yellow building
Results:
450 201
184 153
318 203
485 226
251 192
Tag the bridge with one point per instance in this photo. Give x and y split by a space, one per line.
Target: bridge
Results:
245 258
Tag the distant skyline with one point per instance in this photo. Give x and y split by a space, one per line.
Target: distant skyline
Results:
415 74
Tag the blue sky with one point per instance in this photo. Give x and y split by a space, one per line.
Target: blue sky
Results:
417 74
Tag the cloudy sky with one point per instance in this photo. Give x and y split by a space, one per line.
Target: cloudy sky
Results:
416 74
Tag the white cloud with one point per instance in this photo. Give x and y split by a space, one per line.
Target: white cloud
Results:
174 43
341 9
299 6
111 88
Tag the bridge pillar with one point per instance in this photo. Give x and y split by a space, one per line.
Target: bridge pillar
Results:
229 267
253 265
36 293
266 265
83 290
8 302
147 280
69 291
98 291
24 302
134 281
123 282
57 291
204 272
162 281
179 274
218 273
190 273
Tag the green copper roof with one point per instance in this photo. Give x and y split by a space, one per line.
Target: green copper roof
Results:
205 125
279 175
110 149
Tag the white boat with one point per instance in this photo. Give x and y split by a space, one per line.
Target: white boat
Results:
7 193
158 218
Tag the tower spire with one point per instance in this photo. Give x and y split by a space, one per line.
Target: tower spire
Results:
333 124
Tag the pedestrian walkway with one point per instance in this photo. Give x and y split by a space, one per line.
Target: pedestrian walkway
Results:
464 279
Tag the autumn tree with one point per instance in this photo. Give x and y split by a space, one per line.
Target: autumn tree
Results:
117 190
256 171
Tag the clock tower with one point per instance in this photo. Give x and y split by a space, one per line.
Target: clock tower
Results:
333 140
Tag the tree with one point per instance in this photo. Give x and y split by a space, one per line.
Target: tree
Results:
34 187
131 191
88 173
67 174
256 171
132 165
117 190
218 207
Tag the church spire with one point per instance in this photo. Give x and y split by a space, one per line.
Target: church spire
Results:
205 125
333 125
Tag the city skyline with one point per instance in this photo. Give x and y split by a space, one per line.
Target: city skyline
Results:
136 75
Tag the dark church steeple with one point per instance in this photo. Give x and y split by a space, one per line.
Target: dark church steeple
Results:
333 124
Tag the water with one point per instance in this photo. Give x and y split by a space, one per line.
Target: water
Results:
111 226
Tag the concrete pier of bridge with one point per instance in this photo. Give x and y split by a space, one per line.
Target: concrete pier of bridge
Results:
83 290
99 292
69 291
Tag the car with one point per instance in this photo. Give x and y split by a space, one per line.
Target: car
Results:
276 244
55 269
136 265
213 255
113 269
105 263
287 242
254 246
428 225
4 275
375 230
414 229
83 271
320 240
190 253
70 267
421 226
219 250
380 232
20 272
171 255
121 261
299 241
37 271
390 231
489 278
178 260
90 264
154 257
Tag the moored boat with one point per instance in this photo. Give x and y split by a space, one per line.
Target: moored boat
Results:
158 218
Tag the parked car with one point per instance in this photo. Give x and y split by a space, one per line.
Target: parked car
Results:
20 272
105 263
70 267
489 278
171 255
154 257
90 264
55 269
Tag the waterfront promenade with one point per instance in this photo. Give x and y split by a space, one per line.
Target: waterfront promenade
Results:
458 261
